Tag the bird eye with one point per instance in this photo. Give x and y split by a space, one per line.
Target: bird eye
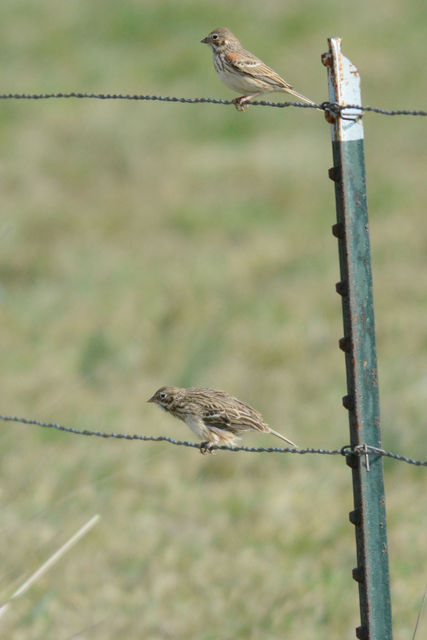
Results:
215 36
163 395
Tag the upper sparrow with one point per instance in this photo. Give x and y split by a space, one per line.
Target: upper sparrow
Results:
243 72
214 416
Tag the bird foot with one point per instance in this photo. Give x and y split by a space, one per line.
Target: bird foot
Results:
241 103
205 447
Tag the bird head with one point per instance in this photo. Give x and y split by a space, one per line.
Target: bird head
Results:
220 38
164 397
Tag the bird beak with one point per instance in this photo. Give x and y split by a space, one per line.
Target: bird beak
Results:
204 41
151 399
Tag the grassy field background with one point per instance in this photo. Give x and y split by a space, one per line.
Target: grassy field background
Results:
145 244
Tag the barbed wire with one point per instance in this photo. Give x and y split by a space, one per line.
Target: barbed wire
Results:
360 450
332 107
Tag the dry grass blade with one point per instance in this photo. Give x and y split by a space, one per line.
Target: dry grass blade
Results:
50 562
423 601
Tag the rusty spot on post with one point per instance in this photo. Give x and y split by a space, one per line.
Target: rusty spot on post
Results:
326 59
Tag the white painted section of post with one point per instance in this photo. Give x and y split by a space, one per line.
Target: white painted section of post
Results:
347 91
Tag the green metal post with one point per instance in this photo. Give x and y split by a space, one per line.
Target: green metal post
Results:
362 399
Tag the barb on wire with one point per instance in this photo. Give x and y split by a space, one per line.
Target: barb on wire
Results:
332 107
344 451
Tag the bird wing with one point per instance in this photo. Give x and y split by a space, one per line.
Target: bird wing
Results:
253 67
233 415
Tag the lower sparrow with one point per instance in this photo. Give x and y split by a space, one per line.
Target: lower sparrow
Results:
214 416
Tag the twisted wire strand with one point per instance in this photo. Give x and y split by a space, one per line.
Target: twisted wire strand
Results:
331 107
344 451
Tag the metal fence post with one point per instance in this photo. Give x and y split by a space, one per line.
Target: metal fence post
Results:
358 343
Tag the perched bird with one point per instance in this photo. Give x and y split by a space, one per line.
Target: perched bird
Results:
214 416
243 72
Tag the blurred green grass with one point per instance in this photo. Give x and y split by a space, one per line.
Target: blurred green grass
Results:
144 244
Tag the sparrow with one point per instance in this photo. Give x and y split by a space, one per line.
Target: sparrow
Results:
243 72
213 416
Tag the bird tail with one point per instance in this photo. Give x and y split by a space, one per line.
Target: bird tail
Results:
279 435
300 96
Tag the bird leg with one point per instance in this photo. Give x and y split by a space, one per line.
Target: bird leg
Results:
240 103
205 447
